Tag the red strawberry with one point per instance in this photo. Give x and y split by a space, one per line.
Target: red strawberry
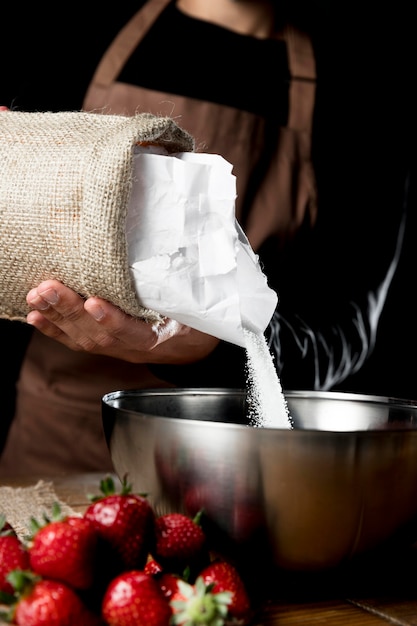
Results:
152 567
125 524
224 577
135 599
198 604
13 554
65 550
179 539
168 581
52 603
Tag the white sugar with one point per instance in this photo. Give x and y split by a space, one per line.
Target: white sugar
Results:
266 401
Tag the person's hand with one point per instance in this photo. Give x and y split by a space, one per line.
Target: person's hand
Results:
96 326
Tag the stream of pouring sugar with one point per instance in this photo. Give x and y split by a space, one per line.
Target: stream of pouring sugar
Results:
266 401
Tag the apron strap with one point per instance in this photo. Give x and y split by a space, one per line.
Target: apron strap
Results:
126 42
300 58
302 68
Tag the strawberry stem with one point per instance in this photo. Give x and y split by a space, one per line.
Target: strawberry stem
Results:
200 606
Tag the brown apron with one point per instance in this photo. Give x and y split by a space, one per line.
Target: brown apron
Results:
287 195
57 426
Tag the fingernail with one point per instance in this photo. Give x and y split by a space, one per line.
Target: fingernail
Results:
50 295
96 312
38 303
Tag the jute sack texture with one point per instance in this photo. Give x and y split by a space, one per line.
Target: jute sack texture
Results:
65 183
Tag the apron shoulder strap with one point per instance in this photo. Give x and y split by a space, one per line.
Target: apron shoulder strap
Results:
302 67
126 42
300 57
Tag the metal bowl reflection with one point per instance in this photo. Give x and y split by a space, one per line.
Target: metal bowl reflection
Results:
342 483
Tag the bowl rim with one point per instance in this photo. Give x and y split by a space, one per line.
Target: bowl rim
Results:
390 401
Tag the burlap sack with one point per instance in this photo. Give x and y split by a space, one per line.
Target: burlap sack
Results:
65 183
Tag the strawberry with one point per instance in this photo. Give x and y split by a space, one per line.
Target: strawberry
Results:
135 599
125 525
13 554
223 576
168 581
49 603
179 540
152 567
64 550
198 604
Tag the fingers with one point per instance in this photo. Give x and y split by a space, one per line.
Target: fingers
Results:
93 325
56 300
59 313
35 318
124 328
97 326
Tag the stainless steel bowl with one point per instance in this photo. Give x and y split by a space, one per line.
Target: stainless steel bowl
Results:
342 483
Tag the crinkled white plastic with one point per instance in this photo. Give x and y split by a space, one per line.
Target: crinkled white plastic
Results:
188 256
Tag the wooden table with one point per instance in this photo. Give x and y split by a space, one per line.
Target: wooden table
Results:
372 592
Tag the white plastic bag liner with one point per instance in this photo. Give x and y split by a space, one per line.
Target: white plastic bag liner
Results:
188 256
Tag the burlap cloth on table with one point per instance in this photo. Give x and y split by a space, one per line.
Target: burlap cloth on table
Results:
20 504
65 182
